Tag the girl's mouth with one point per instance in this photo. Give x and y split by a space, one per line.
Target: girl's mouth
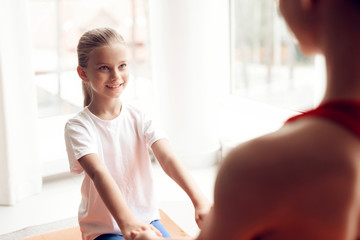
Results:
113 86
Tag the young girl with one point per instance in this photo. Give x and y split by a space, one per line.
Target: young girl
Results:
301 182
108 140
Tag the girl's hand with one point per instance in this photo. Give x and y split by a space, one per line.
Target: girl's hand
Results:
129 233
145 233
201 212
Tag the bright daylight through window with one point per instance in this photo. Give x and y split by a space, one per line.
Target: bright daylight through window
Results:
267 65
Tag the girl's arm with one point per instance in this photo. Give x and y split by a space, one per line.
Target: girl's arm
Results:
111 195
177 172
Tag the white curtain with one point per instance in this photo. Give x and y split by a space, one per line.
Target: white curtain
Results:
191 70
20 172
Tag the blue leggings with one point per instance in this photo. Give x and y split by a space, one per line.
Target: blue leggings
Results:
157 224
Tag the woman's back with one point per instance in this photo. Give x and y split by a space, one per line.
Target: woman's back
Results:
300 182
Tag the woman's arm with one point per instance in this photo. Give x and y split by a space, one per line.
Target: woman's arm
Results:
178 173
111 195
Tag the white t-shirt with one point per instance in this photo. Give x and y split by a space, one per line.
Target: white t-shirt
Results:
122 144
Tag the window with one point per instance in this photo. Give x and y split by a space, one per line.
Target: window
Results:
267 65
56 27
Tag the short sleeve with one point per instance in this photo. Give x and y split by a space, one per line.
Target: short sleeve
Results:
152 130
79 142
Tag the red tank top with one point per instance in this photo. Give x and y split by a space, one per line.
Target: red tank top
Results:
344 112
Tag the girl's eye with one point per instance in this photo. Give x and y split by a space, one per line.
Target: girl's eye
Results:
104 68
123 65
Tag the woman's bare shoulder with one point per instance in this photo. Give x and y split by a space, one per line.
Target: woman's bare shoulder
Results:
315 145
298 168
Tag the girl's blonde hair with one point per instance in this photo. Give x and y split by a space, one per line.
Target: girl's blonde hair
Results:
90 40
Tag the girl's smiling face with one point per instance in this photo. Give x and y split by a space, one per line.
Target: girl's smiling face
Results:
107 70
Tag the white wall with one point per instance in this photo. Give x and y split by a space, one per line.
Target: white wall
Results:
20 174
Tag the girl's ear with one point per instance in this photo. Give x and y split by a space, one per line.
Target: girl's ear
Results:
82 74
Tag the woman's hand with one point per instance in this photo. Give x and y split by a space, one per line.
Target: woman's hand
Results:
132 229
201 212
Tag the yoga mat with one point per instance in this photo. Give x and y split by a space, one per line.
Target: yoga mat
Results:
74 233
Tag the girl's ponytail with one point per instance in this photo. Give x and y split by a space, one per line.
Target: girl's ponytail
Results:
87 93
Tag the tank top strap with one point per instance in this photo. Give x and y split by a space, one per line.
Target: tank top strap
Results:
343 112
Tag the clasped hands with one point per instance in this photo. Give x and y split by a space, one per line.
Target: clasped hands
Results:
149 232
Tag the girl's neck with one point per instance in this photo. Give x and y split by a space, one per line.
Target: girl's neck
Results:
106 110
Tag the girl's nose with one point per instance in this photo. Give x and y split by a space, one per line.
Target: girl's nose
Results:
116 75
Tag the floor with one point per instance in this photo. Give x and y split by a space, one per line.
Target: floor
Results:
61 195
